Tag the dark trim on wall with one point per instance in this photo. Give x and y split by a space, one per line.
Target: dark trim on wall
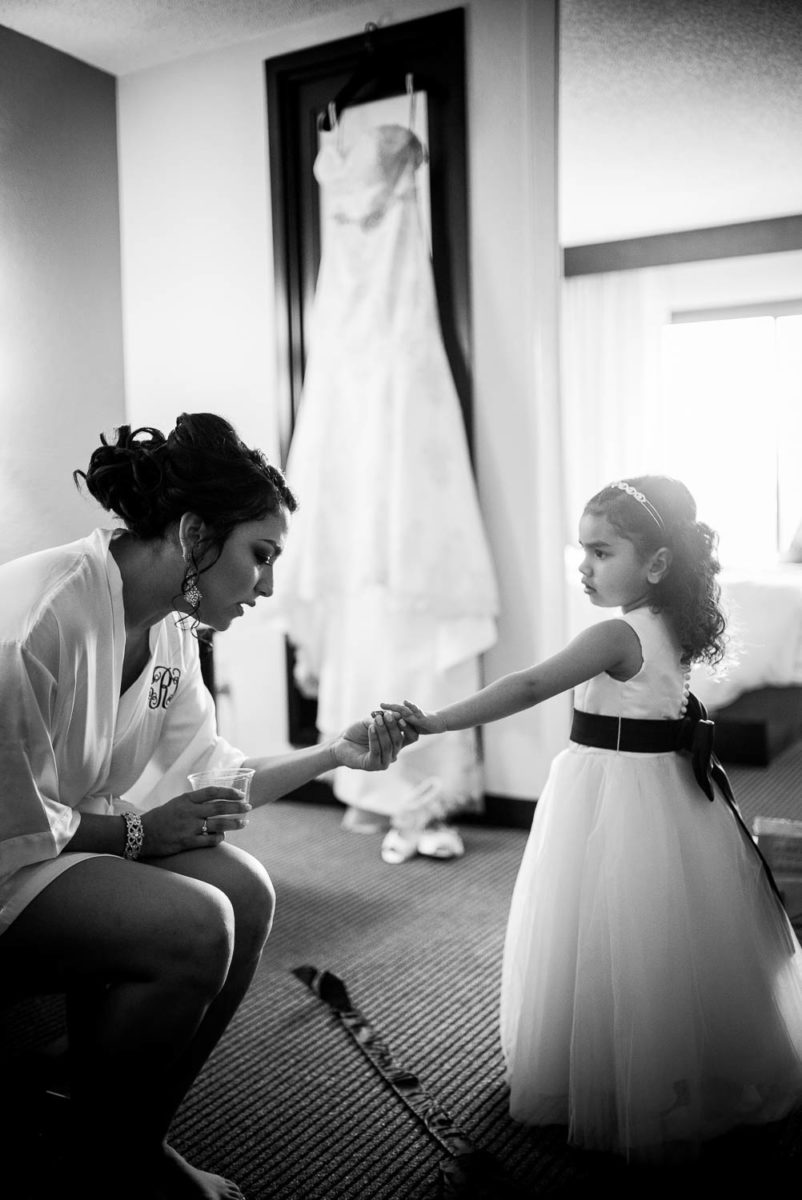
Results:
505 812
772 236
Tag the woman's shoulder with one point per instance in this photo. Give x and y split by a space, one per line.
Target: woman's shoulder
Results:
41 586
55 564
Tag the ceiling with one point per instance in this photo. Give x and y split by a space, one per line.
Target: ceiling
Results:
121 36
678 114
674 114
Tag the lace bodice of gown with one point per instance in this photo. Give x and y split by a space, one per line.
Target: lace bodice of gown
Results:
362 180
658 691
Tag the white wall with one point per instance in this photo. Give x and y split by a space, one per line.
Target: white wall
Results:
515 274
61 376
199 322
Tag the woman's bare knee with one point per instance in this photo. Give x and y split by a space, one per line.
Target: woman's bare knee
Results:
254 901
196 945
246 884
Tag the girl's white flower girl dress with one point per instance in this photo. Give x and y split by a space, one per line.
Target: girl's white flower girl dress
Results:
652 985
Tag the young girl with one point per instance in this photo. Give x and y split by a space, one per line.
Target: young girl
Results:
652 986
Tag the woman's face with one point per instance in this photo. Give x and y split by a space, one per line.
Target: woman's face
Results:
244 570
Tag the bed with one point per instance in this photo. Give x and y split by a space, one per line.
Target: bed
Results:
764 611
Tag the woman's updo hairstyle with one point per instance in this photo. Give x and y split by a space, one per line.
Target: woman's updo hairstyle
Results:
202 467
689 590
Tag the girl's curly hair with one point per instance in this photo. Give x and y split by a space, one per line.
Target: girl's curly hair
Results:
689 591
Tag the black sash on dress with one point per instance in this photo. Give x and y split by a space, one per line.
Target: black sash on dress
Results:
693 733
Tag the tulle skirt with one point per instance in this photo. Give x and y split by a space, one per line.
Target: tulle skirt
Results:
652 986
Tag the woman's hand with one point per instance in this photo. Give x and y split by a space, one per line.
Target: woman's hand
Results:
193 821
421 721
373 745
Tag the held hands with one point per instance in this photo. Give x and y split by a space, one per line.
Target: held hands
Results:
193 821
373 745
421 721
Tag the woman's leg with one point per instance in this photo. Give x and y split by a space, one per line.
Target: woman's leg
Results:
243 880
155 947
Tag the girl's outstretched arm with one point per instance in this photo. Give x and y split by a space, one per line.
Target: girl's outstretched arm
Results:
611 646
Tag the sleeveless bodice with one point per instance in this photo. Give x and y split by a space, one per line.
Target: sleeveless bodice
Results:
660 688
363 180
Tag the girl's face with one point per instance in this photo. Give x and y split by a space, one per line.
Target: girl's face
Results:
613 573
244 570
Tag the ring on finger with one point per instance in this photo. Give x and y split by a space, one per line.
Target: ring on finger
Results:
204 827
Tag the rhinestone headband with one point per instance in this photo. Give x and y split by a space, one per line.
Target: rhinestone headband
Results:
641 499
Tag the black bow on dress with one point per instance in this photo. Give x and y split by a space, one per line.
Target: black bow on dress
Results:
696 736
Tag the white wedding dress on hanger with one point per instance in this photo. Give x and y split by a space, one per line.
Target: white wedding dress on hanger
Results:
386 587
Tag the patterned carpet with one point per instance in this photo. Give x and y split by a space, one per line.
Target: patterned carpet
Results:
291 1109
773 791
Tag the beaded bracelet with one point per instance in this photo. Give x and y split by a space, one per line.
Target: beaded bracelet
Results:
134 835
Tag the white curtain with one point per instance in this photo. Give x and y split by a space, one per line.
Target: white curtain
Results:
611 338
611 352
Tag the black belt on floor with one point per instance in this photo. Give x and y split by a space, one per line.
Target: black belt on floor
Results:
692 734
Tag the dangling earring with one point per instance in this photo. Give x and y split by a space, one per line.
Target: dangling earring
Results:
191 591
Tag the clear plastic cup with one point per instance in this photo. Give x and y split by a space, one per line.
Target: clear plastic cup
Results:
238 778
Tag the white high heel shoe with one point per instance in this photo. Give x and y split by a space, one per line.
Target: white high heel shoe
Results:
399 846
439 840
420 829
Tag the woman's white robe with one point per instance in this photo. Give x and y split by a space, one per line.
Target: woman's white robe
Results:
69 742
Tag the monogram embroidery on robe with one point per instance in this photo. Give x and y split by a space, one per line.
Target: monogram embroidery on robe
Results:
163 686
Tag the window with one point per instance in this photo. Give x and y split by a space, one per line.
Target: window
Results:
732 424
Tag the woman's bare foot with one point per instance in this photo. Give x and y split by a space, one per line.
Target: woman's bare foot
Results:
179 1180
165 1176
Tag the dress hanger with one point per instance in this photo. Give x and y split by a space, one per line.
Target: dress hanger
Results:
377 68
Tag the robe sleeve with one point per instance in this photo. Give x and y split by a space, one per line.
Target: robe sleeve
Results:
34 824
188 741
